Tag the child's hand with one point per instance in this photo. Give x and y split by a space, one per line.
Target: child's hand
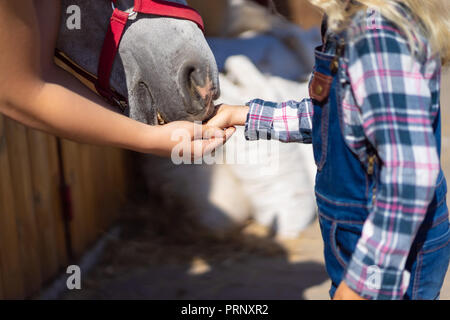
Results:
229 116
198 140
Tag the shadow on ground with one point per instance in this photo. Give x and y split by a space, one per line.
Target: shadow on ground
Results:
162 253
149 261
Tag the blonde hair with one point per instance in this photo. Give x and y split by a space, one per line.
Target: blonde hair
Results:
433 14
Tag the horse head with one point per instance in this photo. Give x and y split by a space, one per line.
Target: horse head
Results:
164 65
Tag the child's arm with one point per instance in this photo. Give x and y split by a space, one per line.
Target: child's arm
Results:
287 121
26 97
394 96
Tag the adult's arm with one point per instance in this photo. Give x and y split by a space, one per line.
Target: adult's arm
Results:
46 103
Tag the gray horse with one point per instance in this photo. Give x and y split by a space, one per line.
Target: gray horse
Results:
164 65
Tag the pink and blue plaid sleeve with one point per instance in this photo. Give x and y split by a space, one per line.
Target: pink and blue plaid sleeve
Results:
391 87
289 121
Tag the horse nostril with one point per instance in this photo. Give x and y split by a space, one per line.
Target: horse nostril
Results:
216 93
200 89
195 75
194 81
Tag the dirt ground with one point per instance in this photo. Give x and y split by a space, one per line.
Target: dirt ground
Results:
157 260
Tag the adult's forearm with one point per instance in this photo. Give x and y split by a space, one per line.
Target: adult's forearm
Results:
56 75
57 110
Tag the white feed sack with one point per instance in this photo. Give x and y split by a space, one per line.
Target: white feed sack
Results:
277 178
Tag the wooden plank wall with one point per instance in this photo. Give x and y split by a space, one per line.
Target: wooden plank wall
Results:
36 240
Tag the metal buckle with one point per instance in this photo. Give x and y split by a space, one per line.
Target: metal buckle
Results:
132 14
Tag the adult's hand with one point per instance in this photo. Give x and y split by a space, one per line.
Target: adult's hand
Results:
182 136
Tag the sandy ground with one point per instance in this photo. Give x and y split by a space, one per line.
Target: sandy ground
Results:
157 260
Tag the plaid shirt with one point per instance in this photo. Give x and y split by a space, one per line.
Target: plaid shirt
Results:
390 99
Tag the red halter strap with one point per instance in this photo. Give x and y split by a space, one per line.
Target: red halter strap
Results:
169 9
115 32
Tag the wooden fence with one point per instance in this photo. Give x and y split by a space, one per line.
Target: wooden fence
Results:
56 198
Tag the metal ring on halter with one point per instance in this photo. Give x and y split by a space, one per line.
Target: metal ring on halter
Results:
132 14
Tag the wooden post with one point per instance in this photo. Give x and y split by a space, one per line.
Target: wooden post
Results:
11 269
99 158
72 172
47 205
1 281
62 246
19 161
90 193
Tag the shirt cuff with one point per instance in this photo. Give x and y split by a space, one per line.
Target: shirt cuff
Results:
373 282
259 120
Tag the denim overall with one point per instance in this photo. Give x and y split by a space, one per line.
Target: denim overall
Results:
345 190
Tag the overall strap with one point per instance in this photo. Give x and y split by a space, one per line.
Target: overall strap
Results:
324 27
